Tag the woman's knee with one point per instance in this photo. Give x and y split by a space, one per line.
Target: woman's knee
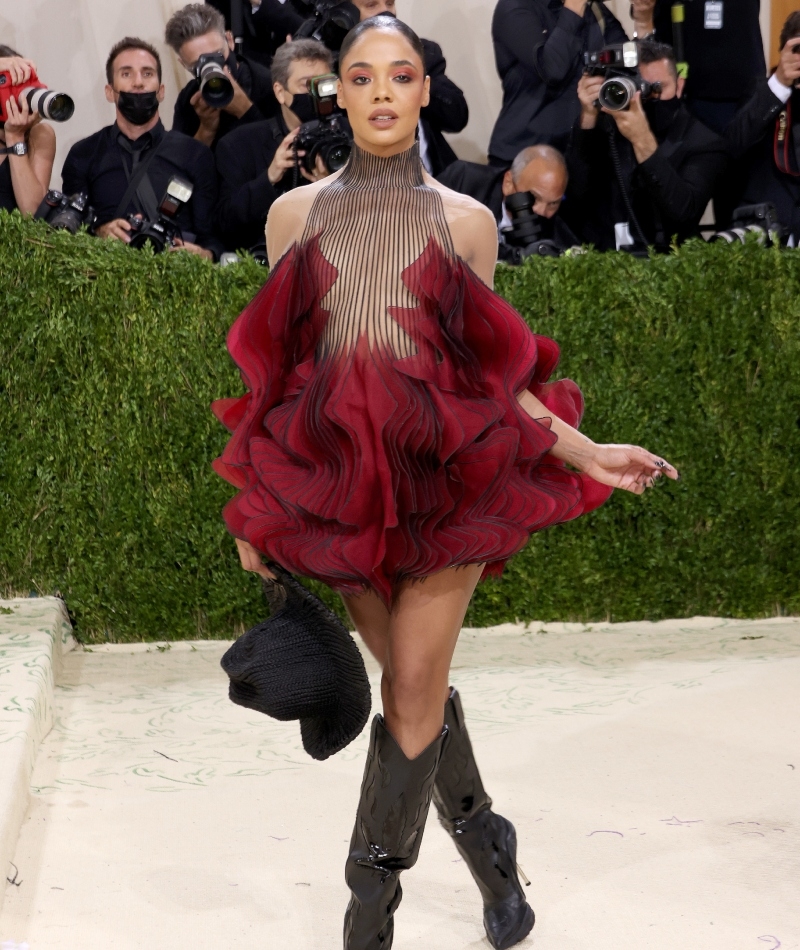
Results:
414 694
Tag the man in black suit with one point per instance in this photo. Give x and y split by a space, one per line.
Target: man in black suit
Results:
256 163
643 175
764 137
538 169
266 24
197 29
538 50
447 111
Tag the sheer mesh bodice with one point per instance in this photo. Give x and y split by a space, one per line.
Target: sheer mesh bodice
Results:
381 437
373 222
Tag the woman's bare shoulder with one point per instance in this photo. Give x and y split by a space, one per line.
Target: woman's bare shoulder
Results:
288 215
472 225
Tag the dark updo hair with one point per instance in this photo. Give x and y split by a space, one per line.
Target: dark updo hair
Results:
383 21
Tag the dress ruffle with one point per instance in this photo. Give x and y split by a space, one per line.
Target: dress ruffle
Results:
361 469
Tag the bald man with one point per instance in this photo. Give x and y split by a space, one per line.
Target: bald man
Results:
538 169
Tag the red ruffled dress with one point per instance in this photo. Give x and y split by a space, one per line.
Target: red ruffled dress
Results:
381 437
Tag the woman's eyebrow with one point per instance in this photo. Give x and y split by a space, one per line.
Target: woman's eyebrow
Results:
402 62
360 66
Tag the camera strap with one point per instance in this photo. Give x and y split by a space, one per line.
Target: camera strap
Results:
598 15
137 183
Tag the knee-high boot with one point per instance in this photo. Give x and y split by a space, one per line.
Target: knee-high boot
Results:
486 841
395 798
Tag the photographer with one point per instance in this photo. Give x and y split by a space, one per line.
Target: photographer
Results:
258 162
539 170
125 168
447 110
538 49
197 30
27 148
764 137
644 174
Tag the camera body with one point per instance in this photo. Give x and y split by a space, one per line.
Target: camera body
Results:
760 219
215 87
56 106
66 213
332 21
329 134
619 65
526 236
161 232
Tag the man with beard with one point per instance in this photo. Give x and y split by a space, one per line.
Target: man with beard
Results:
643 175
125 168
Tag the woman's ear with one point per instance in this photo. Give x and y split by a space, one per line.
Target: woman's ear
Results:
426 92
340 94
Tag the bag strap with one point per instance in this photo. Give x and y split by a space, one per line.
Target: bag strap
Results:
598 15
137 176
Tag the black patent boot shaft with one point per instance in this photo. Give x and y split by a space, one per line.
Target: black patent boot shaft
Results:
486 841
396 794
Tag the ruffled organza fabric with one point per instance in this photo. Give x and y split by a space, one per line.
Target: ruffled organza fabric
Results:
361 469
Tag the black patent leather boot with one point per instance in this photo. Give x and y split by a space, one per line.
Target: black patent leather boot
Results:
395 798
486 841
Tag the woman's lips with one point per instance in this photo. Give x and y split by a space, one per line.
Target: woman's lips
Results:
383 118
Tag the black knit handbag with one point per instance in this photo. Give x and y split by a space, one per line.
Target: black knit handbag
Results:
302 664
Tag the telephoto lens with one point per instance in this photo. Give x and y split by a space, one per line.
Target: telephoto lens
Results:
56 106
215 87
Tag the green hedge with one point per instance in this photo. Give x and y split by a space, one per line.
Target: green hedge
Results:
110 359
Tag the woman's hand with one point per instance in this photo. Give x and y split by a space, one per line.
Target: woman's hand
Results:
18 67
251 560
19 122
629 467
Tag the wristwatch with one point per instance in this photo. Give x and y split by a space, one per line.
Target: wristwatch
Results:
19 149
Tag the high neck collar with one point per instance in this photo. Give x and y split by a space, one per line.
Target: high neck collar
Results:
403 170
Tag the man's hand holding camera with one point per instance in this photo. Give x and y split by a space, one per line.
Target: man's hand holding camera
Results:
209 116
286 158
631 122
788 71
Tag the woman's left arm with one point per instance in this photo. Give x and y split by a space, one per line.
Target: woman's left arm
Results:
30 174
622 466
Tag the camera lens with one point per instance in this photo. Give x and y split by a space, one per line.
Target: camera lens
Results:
336 157
215 87
56 106
616 94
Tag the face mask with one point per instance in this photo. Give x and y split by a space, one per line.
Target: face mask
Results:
138 107
303 106
660 113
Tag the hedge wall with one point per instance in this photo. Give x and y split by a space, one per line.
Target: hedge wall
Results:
110 359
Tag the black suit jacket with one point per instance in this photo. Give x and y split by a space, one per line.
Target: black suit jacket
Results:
447 111
484 183
751 138
245 192
538 49
669 191
266 28
255 79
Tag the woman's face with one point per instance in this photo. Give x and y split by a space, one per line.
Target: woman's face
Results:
383 86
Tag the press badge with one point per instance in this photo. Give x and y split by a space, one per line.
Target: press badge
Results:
713 17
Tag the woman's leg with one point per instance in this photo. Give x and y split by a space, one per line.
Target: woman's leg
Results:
405 747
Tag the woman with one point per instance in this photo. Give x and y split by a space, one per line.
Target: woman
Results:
398 442
24 172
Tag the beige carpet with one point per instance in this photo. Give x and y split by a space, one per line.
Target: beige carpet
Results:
653 773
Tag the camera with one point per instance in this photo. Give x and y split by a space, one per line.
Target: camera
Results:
619 64
215 87
761 219
66 213
530 235
161 233
329 134
332 21
56 106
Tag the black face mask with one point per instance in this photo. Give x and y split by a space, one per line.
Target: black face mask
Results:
303 106
138 107
660 113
